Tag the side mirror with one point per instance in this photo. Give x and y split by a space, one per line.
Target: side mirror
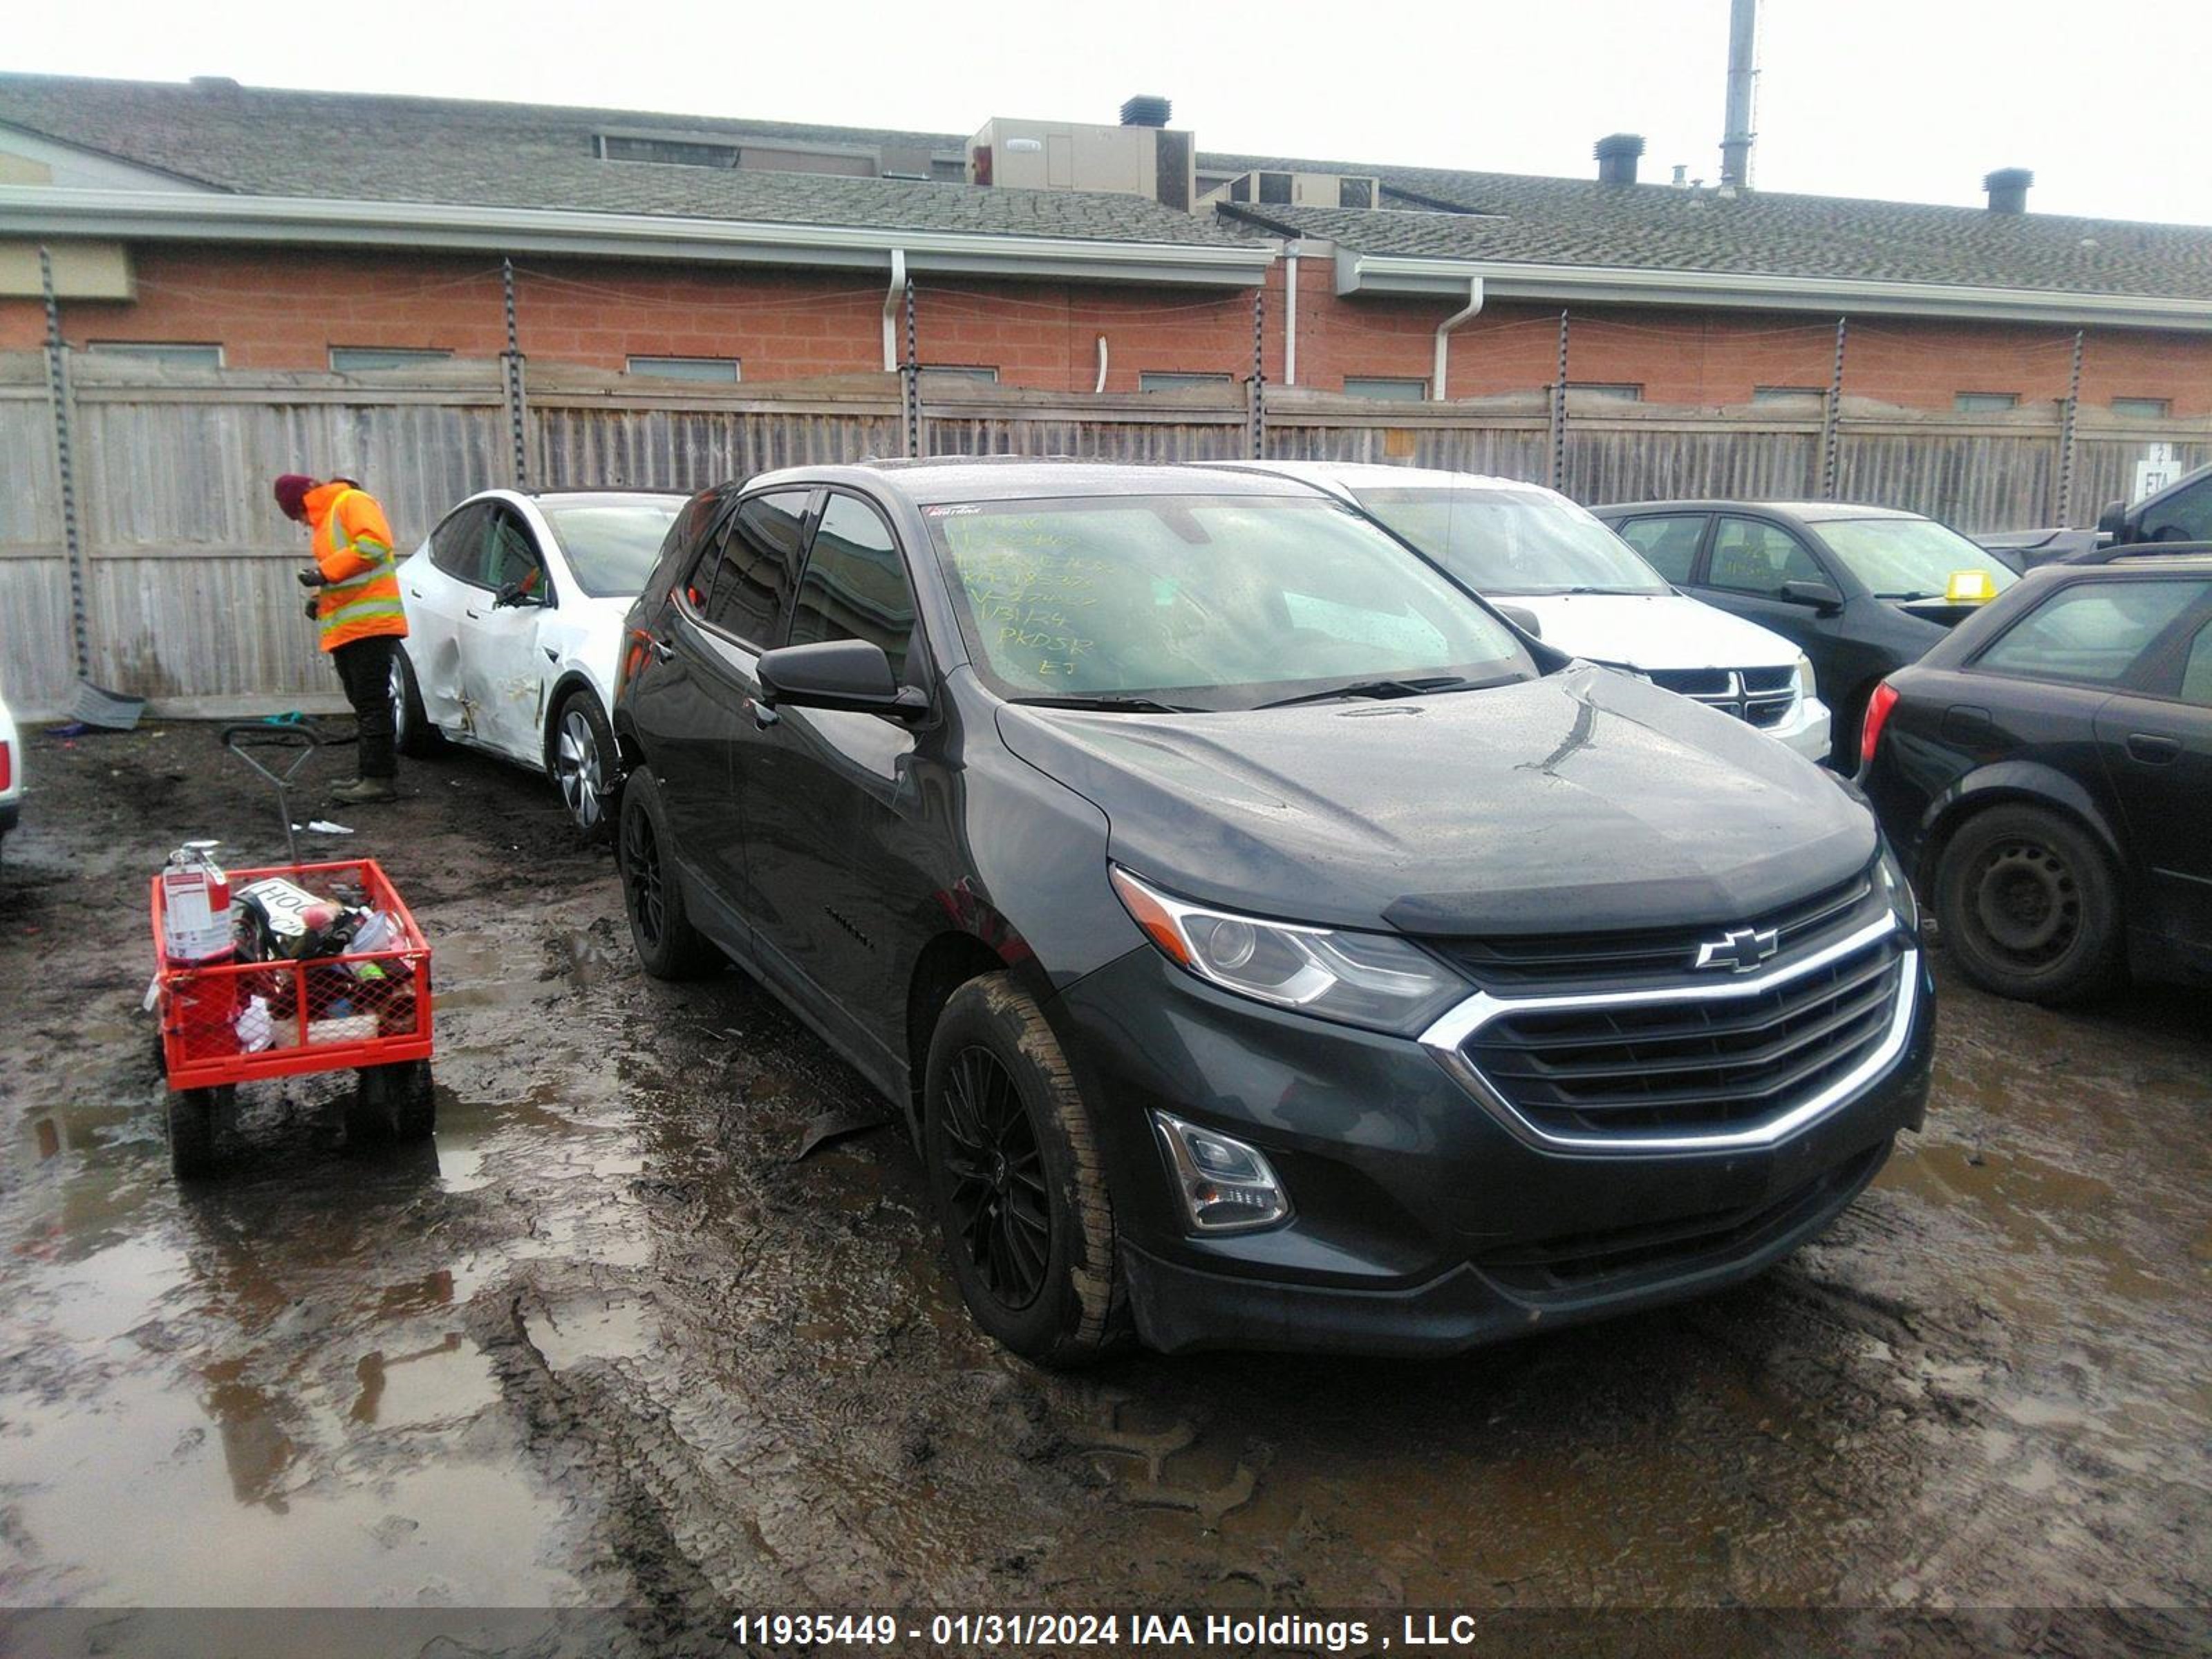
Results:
515 594
2113 521
853 675
1525 620
1822 596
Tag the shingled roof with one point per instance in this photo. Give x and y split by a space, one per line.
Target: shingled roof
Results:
379 148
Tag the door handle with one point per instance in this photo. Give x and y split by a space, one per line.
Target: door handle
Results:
2152 748
417 591
473 615
763 716
660 648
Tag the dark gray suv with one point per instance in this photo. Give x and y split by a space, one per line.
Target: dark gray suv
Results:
1267 946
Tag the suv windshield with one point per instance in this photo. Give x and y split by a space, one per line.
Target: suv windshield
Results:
611 545
1512 541
1197 602
1907 558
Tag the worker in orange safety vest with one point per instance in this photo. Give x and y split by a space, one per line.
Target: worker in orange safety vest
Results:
355 602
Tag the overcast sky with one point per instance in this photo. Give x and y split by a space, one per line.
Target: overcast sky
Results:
2110 103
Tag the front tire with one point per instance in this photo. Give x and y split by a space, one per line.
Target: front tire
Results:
413 734
668 945
393 1103
2029 906
1018 1180
192 1124
581 758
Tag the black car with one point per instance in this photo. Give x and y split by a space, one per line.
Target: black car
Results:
2182 512
1861 591
1266 946
2046 773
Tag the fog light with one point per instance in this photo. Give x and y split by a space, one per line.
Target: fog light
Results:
1226 1185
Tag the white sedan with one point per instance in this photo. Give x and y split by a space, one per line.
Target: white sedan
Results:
514 616
11 771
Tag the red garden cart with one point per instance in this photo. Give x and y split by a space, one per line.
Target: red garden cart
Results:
265 1014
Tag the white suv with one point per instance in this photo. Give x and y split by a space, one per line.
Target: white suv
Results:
1558 571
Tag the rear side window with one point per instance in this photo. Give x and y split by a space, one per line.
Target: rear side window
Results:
855 586
759 567
1752 557
1668 543
2095 632
457 546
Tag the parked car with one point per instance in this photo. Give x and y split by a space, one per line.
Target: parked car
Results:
1551 567
2182 512
514 611
1267 946
1861 591
2047 772
11 772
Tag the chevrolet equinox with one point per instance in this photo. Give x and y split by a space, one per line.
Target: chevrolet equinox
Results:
1267 945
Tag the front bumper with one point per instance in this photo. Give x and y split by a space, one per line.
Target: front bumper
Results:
1422 1223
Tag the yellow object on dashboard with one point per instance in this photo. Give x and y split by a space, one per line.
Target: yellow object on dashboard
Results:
1971 587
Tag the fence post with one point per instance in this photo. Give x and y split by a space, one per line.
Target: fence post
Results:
1256 406
57 394
511 383
1559 412
2065 513
910 382
1832 416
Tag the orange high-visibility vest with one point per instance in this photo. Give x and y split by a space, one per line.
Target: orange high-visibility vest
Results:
353 550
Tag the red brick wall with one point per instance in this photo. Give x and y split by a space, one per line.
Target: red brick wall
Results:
283 309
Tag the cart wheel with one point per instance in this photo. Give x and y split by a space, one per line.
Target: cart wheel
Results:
192 1113
393 1103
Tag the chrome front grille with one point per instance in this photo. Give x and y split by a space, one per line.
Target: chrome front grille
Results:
1723 1060
1758 696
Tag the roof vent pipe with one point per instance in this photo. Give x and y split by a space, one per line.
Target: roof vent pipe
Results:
2008 188
1147 110
1616 158
1742 94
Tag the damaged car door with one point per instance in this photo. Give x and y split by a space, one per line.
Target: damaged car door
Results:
502 671
440 586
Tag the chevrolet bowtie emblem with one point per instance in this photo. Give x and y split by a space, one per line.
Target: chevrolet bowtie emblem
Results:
1742 950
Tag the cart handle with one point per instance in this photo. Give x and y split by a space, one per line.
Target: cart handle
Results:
240 738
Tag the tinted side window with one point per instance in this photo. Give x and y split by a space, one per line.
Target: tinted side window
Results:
2183 516
511 556
2197 670
2091 631
1753 556
1668 543
759 569
855 586
457 546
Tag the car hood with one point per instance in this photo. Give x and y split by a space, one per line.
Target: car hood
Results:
1652 630
1584 799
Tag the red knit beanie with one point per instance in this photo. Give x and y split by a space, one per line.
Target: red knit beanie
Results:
291 493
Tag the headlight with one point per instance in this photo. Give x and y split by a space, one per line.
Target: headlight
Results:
1363 979
1889 875
1808 687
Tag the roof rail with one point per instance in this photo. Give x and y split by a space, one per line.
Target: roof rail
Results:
2141 551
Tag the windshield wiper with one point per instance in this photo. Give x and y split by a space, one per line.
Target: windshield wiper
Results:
1382 688
1908 597
1112 704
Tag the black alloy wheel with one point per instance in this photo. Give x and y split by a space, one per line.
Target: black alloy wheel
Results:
642 882
668 945
1000 1207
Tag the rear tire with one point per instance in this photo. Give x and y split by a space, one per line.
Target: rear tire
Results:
668 945
393 1103
2029 906
412 733
192 1122
579 753
1018 1180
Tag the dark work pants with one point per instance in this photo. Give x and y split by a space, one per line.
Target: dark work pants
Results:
364 670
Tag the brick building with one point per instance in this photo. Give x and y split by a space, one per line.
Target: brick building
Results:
210 225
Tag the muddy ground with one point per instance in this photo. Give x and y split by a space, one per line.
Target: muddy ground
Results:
613 1343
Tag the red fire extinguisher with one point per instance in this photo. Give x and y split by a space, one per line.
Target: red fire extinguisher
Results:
197 933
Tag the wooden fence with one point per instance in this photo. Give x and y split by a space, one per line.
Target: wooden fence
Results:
185 564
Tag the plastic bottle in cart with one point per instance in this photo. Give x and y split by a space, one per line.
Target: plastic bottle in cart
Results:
196 933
